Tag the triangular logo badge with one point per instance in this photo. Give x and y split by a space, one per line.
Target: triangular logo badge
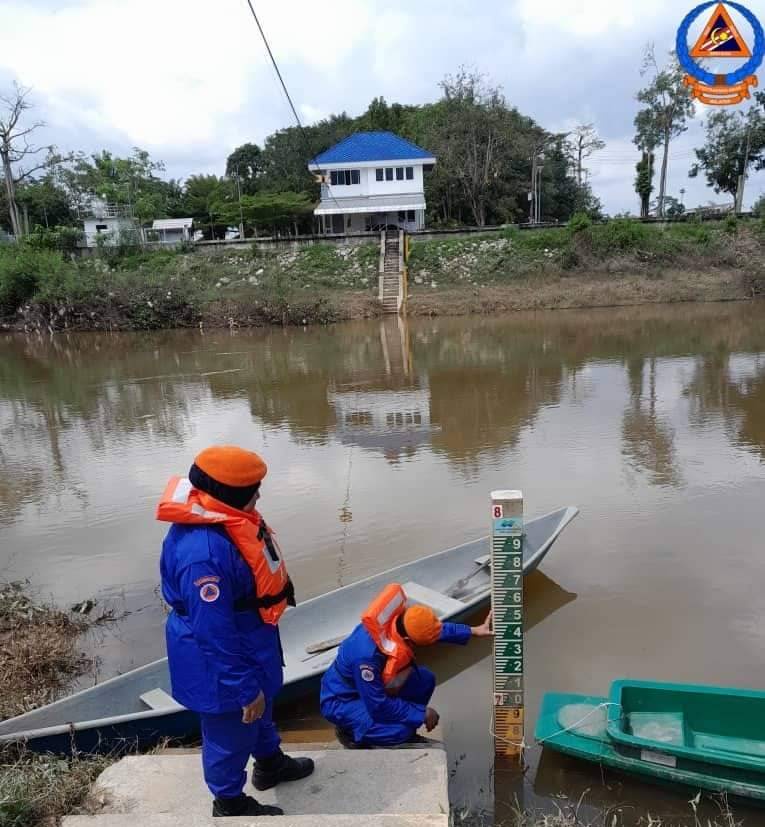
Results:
721 38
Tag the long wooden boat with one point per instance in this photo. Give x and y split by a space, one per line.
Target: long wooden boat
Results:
701 737
136 708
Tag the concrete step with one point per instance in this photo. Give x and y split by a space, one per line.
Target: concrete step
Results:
180 820
346 782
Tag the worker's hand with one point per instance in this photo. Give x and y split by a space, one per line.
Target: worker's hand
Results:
431 719
485 629
254 711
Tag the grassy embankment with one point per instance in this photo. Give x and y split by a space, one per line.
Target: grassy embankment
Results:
619 263
40 657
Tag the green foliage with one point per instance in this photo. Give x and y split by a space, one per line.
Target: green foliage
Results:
731 225
579 223
64 239
274 210
734 143
758 209
245 165
22 270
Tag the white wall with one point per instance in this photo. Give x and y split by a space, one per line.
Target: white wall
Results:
395 187
111 235
369 185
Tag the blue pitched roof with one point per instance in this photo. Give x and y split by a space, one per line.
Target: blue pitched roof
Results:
371 146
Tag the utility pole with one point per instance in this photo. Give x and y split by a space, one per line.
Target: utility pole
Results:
540 168
742 177
241 215
533 193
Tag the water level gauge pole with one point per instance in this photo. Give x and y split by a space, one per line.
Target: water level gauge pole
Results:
507 602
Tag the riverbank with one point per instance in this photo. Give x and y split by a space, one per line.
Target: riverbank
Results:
41 656
582 265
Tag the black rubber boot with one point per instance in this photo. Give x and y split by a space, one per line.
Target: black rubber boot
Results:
346 739
243 805
268 772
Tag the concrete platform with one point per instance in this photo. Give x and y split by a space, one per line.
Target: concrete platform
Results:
285 821
364 783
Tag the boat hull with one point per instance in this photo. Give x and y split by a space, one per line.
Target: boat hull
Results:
111 715
588 739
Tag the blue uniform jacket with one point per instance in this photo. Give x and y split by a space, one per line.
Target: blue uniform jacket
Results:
220 659
356 674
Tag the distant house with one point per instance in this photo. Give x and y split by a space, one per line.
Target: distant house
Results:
372 180
110 224
170 230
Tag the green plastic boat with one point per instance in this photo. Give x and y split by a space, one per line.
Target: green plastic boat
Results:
703 738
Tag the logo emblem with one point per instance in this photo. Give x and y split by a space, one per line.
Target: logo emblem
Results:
721 39
367 674
210 592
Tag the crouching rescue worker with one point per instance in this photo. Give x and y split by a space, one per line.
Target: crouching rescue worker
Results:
374 692
227 584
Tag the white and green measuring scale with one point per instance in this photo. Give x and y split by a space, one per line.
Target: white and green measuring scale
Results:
507 603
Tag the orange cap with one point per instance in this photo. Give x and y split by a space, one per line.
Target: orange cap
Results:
232 466
422 626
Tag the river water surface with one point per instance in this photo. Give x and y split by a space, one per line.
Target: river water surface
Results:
384 440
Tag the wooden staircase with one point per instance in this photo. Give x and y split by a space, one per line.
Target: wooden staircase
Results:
391 281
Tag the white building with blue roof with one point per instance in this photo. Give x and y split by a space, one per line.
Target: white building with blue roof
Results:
370 181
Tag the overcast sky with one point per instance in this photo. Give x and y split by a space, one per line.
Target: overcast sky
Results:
189 80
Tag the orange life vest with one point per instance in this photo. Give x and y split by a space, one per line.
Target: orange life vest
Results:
182 503
379 620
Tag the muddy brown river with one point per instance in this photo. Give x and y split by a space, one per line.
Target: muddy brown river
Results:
384 440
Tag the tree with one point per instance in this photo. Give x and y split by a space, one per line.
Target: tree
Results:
245 164
15 148
735 142
275 210
131 182
644 182
668 105
205 196
581 144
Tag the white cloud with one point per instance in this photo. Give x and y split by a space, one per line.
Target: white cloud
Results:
588 18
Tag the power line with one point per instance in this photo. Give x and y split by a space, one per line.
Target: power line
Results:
289 98
275 64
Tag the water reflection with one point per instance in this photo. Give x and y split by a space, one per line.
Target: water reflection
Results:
648 439
732 389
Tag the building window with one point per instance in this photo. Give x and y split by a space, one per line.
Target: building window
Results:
402 215
388 173
100 227
410 215
344 177
410 173
399 173
379 174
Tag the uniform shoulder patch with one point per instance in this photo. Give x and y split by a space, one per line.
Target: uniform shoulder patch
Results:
367 673
209 592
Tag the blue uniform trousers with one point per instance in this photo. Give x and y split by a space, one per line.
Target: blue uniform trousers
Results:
418 689
227 745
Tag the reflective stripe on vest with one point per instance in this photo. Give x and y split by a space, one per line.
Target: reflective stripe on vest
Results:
379 620
184 504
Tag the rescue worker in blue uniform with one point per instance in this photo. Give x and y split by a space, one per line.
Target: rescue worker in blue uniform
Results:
374 692
227 585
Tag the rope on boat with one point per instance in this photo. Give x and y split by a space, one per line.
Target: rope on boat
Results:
523 745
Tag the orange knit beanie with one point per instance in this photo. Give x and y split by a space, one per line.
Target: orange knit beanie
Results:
422 626
232 466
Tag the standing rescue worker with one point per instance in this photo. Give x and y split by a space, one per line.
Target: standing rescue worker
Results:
227 584
374 692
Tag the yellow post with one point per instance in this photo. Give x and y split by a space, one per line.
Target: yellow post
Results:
507 602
